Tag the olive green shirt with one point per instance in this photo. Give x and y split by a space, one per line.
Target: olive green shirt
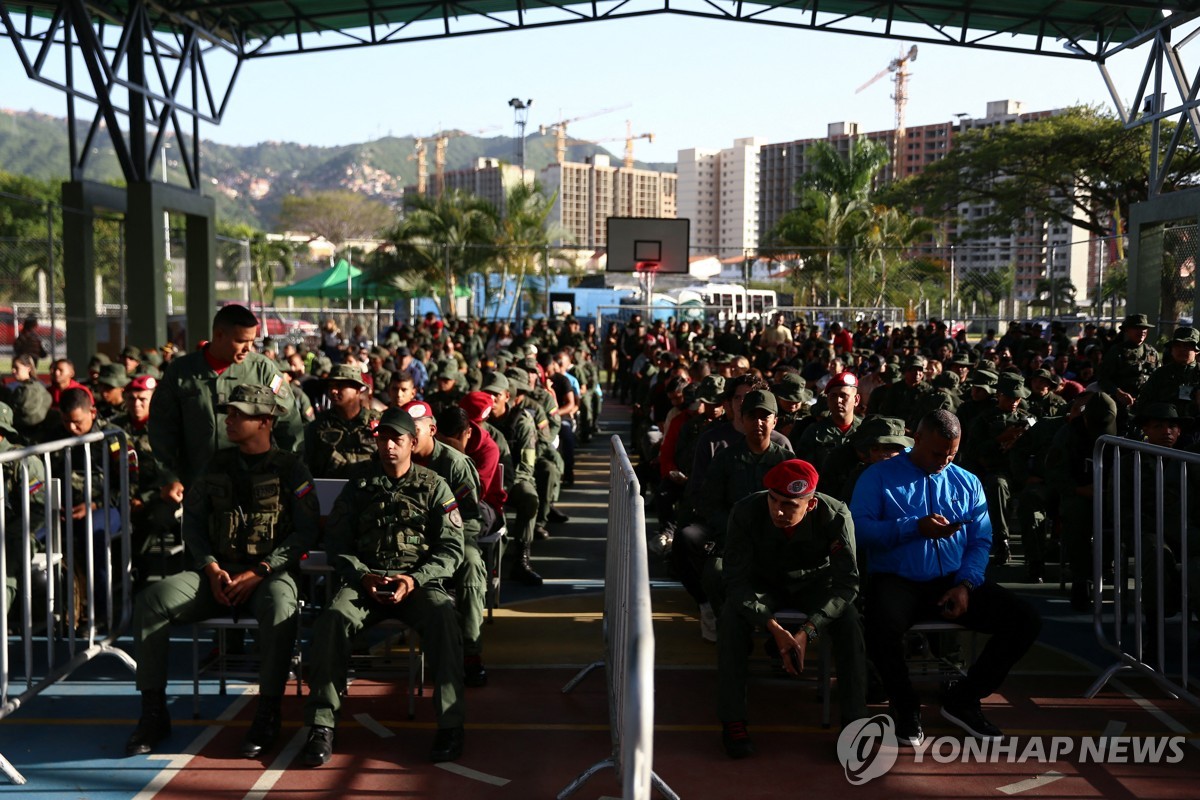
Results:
459 473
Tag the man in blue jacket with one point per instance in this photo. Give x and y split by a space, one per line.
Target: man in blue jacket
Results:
923 524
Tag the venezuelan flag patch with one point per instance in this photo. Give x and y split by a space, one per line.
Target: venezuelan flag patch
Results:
276 382
463 492
36 486
303 489
449 506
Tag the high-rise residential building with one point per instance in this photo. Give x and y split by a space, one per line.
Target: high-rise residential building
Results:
719 193
587 194
490 179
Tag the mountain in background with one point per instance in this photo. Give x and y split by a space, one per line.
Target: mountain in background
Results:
250 182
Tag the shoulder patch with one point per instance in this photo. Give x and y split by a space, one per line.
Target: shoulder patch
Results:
303 489
276 382
455 518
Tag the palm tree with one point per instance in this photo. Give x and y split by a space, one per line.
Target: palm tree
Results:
269 258
888 235
1055 294
438 240
526 233
850 177
987 288
823 224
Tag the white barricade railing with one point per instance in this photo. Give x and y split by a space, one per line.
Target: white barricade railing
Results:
68 645
628 640
1133 490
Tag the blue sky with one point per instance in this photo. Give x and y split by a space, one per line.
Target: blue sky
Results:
693 83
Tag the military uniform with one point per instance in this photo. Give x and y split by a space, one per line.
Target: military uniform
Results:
334 445
518 427
470 579
18 484
811 569
184 430
818 440
155 515
1047 405
1128 366
1171 383
411 526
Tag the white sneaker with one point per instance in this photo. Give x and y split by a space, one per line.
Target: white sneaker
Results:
708 623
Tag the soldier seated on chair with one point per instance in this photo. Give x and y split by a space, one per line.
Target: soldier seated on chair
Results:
395 538
246 522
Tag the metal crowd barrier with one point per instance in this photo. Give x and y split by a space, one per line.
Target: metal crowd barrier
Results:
1153 647
69 641
628 640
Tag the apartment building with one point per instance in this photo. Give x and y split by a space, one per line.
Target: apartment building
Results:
490 179
719 192
587 194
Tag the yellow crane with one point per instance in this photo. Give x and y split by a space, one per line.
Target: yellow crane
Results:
629 138
560 130
899 68
418 155
440 141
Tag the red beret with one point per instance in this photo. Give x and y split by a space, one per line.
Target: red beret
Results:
793 478
418 410
478 406
142 383
840 380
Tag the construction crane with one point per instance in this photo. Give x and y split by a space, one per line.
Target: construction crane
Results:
560 130
629 140
899 68
440 141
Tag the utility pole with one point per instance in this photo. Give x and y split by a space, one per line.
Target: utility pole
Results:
520 117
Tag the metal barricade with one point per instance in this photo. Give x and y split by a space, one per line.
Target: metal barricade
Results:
628 640
69 643
1137 491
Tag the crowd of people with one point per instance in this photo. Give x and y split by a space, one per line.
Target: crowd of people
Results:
935 456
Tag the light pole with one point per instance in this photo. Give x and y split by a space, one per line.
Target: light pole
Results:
169 272
520 116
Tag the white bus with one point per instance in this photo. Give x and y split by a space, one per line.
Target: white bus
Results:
719 302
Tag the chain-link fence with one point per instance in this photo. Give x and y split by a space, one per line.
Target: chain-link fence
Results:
1180 251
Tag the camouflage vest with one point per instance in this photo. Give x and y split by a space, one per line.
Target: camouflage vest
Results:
249 517
345 444
391 533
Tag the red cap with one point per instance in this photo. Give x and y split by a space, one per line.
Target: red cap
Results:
478 406
142 383
418 409
840 380
793 478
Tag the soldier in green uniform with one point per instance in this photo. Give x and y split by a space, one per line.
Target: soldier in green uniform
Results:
794 404
1043 401
18 484
587 373
905 399
515 422
1036 505
789 547
448 393
248 517
494 384
820 438
110 390
1178 377
1129 362
344 436
470 579
982 389
548 470
395 537
877 439
184 430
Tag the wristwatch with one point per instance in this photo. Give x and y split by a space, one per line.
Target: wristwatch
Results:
261 569
966 584
810 630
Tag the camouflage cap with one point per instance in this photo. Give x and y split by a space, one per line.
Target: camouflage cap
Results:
518 379
1046 375
946 380
876 430
1010 386
915 362
398 420
131 351
495 383
1136 321
346 373
1188 336
6 419
710 389
98 360
113 375
254 400
963 359
790 388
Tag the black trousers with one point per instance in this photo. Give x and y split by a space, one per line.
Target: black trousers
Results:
895 604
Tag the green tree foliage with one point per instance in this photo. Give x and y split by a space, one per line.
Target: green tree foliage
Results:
271 260
850 177
338 216
525 236
437 243
1056 295
1076 167
987 287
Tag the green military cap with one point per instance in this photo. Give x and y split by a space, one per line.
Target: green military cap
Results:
113 375
1188 336
154 359
347 373
147 369
502 359
963 359
399 421
495 383
689 394
759 400
254 400
915 362
1156 411
131 351
446 367
98 360
946 380
711 389
877 430
791 389
1047 375
890 373
379 352
321 366
1012 387
986 364
518 379
985 378
1136 321
6 419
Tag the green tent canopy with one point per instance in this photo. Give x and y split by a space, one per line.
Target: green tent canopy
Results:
329 284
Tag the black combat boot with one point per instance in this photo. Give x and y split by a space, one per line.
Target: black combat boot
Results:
264 730
153 726
522 572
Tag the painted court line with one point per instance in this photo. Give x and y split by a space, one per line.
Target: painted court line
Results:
474 775
278 767
176 763
368 722
1032 783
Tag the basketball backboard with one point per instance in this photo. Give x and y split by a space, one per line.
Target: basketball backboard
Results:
647 241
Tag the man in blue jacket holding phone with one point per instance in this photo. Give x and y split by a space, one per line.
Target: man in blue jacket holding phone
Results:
923 524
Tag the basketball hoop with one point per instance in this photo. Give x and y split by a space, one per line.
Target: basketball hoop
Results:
647 266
